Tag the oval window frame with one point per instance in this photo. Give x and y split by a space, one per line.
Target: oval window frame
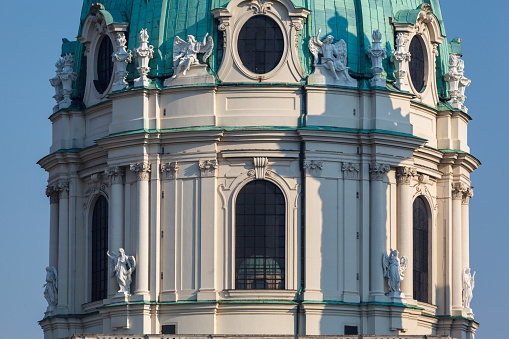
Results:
235 49
425 56
96 66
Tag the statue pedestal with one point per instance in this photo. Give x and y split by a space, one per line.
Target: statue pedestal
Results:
397 297
120 297
197 74
324 76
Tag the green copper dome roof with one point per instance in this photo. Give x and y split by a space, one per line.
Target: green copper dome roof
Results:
351 20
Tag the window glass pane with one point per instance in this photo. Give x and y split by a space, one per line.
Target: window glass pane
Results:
420 242
104 65
99 248
417 63
260 44
259 237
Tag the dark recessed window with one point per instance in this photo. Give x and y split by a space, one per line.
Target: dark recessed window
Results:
351 330
169 329
104 65
260 44
260 237
99 249
417 63
421 249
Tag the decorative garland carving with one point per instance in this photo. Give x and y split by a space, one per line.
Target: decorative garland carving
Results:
350 170
208 167
170 170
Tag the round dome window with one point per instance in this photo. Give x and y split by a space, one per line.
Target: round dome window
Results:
417 63
104 65
260 44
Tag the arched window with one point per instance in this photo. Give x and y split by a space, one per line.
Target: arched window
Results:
421 250
260 237
99 247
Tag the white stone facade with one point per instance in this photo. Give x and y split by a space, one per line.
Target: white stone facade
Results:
171 162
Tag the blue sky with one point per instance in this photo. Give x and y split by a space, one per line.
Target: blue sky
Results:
32 32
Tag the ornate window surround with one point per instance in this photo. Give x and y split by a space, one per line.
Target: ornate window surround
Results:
428 29
232 19
228 198
88 241
98 25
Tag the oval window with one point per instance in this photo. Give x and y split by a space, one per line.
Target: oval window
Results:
260 44
104 65
417 63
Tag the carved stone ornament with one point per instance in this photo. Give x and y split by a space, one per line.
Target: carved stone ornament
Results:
66 76
260 167
393 269
458 190
377 171
469 193
260 6
313 167
122 267
121 58
377 53
350 170
63 189
115 173
53 193
143 53
401 57
453 78
57 84
142 170
51 288
208 167
333 60
463 84
468 287
170 170
185 53
405 174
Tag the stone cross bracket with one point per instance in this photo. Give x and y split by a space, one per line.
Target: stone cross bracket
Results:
401 57
377 53
143 53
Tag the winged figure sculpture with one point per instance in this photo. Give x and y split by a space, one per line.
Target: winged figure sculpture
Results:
185 52
394 268
122 267
334 55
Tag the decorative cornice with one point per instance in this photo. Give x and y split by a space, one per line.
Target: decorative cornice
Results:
208 167
313 167
115 173
142 170
377 171
405 174
170 170
350 170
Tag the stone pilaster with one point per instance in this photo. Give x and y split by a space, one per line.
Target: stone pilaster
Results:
53 194
458 191
142 170
404 176
63 248
377 232
465 229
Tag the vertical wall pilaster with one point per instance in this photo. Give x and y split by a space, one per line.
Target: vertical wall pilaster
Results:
465 230
458 190
208 230
169 263
53 194
142 171
405 226
378 212
63 248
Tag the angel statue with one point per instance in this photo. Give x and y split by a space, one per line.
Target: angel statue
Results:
394 268
122 266
185 53
333 54
468 286
51 288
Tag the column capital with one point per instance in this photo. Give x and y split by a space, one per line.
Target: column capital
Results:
405 174
142 170
208 167
377 171
53 193
63 188
469 193
170 170
115 173
314 167
458 190
350 170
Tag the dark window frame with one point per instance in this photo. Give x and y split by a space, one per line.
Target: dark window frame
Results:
104 65
260 55
421 249
260 237
418 63
98 249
